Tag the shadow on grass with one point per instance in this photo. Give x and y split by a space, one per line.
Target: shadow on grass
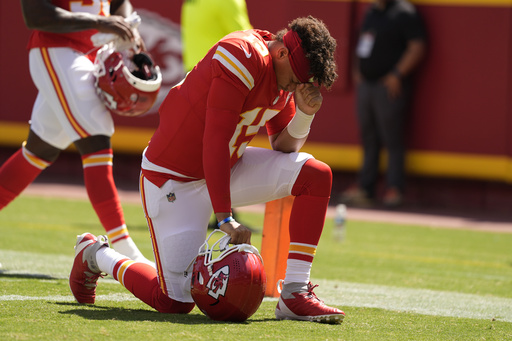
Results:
26 275
97 312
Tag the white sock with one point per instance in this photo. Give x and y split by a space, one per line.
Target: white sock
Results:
297 271
127 247
107 258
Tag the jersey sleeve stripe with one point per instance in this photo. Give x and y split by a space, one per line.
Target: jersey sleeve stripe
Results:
233 64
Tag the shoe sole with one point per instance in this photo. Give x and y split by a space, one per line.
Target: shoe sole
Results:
282 312
330 319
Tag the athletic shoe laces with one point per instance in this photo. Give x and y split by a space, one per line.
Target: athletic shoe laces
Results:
311 293
91 279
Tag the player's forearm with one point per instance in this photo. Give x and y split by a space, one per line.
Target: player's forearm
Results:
216 159
217 176
285 143
411 58
292 138
121 7
43 16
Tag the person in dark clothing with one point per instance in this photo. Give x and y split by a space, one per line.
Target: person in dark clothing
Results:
391 45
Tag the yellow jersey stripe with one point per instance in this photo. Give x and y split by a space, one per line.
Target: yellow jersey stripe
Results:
234 65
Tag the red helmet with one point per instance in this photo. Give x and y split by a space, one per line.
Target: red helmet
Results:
128 86
231 286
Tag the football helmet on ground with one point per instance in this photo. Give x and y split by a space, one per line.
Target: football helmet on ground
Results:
231 286
127 83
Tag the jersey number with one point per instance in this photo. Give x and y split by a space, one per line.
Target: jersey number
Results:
257 44
100 7
247 128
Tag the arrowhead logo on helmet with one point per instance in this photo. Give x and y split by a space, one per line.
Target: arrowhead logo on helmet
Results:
218 283
231 286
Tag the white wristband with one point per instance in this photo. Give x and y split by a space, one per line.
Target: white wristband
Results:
299 125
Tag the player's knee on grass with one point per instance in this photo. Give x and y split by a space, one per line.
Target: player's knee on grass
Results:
169 306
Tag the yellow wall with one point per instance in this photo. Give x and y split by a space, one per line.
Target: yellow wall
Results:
338 156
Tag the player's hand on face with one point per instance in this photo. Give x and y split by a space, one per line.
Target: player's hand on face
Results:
239 233
308 98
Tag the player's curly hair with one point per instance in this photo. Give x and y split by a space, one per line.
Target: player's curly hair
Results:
319 47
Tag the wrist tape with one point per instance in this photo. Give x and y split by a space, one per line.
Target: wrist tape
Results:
299 125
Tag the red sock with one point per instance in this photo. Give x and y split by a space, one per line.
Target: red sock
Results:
102 191
312 191
19 171
141 280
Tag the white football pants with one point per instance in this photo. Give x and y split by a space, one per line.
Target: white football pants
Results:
178 213
67 107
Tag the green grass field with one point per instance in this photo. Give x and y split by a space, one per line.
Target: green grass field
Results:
394 282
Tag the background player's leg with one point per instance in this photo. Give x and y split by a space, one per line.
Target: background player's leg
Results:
23 167
97 161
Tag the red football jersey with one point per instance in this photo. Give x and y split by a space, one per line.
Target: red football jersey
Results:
207 121
80 41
